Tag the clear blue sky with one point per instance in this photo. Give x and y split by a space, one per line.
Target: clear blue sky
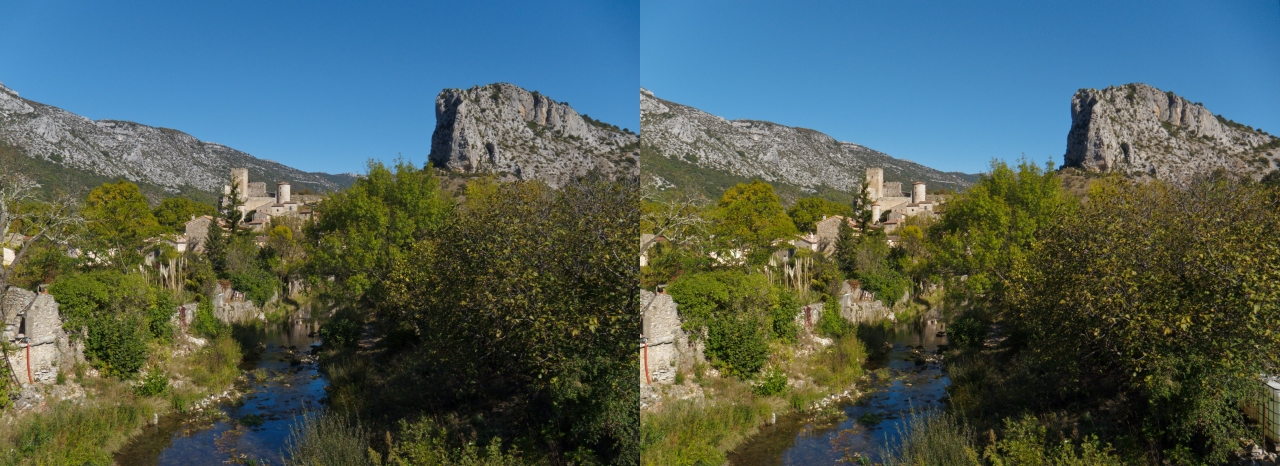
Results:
321 86
954 84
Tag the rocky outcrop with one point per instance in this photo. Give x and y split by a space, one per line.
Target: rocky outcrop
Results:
170 159
505 130
770 151
1141 131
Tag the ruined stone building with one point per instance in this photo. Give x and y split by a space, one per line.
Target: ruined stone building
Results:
38 346
888 197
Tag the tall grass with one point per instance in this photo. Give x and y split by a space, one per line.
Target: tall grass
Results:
68 433
327 440
839 366
699 433
933 438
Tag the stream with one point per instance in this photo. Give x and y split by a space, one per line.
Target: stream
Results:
907 378
281 384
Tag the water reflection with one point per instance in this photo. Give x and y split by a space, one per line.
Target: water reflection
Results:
283 382
910 378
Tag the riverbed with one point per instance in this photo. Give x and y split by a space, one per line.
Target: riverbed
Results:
907 378
282 382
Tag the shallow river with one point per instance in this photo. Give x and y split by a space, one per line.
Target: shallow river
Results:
915 382
282 384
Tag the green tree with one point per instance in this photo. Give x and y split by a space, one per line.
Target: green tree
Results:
360 232
808 211
749 217
988 231
173 213
118 220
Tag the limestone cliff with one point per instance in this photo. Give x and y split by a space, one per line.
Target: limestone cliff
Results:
111 149
677 136
1141 131
505 130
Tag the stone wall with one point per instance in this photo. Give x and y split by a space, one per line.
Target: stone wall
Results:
231 306
667 348
44 347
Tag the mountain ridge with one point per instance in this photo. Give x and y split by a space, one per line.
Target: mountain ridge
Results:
806 159
169 159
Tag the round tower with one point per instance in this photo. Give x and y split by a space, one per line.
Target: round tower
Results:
282 192
876 210
875 183
917 192
240 176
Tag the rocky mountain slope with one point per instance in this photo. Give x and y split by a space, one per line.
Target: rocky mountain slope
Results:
676 138
506 130
169 159
1141 131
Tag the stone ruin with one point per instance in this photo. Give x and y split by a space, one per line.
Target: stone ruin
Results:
231 306
666 348
38 346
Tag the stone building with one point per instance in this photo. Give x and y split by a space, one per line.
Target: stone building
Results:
39 347
887 197
666 347
258 206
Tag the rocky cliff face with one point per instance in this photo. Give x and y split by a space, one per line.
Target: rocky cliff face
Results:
503 129
168 158
1138 130
771 152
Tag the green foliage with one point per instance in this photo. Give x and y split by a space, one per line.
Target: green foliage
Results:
689 433
155 383
774 382
1161 294
967 332
832 325
173 213
784 315
808 211
257 284
116 345
988 231
118 218
739 311
738 344
426 444
360 233
1027 442
342 330
206 324
525 304
121 313
750 217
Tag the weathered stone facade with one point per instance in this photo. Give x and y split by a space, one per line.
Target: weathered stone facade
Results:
667 348
231 306
33 326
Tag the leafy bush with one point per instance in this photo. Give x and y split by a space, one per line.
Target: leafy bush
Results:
1026 442
423 443
967 332
160 316
117 346
773 383
258 285
155 383
784 315
833 325
206 324
342 331
738 345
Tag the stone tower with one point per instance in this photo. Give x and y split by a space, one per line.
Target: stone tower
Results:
875 183
876 211
240 176
917 192
282 192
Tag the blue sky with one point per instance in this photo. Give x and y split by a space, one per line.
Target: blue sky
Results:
321 86
954 84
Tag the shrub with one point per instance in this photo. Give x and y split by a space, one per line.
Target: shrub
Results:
738 344
117 345
341 331
206 324
258 285
784 316
423 443
934 438
155 383
773 383
967 332
327 439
